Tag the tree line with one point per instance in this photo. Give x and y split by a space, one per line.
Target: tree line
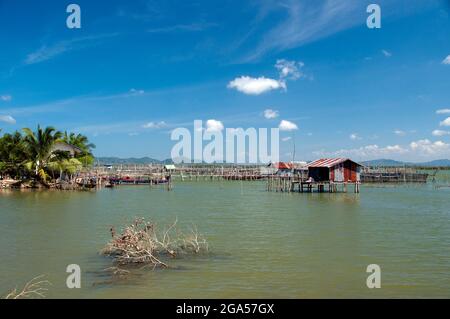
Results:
29 154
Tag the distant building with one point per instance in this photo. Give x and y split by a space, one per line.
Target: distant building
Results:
283 166
65 147
169 168
335 170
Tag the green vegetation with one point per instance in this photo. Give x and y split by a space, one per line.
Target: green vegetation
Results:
43 155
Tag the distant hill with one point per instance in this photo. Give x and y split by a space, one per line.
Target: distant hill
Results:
377 162
436 163
392 163
131 160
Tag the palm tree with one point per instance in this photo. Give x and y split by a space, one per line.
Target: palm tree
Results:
82 142
39 145
13 154
79 140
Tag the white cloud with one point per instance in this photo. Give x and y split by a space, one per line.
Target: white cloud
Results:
355 137
285 139
154 125
443 111
445 122
399 132
256 86
440 133
386 53
213 126
369 151
428 147
7 119
287 126
446 61
423 149
271 114
6 98
289 69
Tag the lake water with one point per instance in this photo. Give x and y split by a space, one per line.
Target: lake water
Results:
262 244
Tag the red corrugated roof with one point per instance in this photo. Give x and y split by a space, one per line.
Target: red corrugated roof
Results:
283 165
329 162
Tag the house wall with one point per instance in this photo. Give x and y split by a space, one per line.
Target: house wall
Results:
351 172
346 172
320 174
337 173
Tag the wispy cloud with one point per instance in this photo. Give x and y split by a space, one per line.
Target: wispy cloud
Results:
298 22
154 125
355 137
5 98
306 21
443 111
62 105
386 53
271 114
289 69
368 151
7 119
193 27
137 92
446 61
47 52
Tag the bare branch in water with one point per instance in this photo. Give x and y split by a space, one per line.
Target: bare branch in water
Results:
142 243
35 288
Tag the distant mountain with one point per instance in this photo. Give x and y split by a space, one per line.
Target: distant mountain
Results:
131 160
392 163
377 162
436 163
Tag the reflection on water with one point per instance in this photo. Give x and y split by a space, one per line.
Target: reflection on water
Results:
262 244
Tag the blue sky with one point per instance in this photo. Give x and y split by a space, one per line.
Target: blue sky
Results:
138 69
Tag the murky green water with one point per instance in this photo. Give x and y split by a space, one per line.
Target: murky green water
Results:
262 244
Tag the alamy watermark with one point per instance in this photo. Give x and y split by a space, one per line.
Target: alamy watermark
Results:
73 21
74 279
374 279
374 19
210 145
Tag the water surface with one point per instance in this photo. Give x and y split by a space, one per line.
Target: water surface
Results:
262 244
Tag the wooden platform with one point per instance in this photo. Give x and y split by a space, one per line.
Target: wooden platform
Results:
290 185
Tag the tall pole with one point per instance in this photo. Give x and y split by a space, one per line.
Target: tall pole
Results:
293 153
293 141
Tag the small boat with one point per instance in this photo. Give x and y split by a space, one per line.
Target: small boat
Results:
86 182
109 185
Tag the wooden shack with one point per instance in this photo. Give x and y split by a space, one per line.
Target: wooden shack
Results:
65 147
337 170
